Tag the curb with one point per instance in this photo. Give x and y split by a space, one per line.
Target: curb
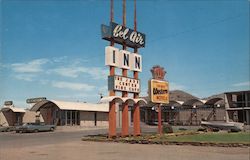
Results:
210 144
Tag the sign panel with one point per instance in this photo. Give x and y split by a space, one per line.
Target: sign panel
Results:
8 103
123 59
159 91
119 83
123 35
35 100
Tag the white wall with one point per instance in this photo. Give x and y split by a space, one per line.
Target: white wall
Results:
30 116
3 120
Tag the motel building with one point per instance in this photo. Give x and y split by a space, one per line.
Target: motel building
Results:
63 113
11 115
237 106
188 112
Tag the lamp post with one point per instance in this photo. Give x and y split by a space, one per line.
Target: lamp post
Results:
195 113
171 115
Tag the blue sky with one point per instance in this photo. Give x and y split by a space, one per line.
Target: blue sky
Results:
54 48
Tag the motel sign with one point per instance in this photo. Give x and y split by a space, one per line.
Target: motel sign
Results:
122 59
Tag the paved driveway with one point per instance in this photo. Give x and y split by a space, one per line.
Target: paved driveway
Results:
68 145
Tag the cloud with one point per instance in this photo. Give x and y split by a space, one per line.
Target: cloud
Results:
242 84
72 86
75 71
97 73
44 81
25 77
33 66
59 59
78 96
103 90
72 72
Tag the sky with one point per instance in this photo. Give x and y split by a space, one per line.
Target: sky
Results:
53 48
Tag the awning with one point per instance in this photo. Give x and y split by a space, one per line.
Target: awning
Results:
13 109
192 102
238 108
212 101
118 99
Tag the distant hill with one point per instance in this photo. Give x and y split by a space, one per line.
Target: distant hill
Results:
178 95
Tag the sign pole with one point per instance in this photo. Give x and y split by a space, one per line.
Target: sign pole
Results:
159 91
123 59
125 74
112 114
136 115
159 119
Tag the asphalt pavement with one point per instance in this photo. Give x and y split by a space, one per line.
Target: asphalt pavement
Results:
16 140
66 143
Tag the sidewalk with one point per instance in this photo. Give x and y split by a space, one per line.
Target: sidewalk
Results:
77 128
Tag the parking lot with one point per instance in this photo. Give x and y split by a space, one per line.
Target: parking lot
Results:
68 145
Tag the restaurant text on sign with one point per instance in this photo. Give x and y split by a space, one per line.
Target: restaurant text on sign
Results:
159 91
120 83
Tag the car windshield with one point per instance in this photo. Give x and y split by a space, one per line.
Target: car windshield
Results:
25 124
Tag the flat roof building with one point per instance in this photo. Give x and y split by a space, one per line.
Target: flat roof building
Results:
237 106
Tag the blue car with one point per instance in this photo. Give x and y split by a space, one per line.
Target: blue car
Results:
34 127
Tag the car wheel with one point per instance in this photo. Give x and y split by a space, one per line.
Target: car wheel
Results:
35 130
51 129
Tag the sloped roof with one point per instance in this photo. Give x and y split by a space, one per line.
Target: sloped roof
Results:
72 106
213 101
191 102
13 108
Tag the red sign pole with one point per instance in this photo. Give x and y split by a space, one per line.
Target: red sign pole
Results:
125 120
112 114
136 114
159 119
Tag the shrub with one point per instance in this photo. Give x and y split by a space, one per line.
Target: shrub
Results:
167 128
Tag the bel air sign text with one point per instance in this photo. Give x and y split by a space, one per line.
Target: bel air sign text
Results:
122 32
123 35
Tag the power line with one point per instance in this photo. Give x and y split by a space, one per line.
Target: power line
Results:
196 28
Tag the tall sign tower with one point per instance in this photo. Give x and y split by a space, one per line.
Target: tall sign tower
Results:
122 59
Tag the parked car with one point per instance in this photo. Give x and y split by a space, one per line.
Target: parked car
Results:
154 122
6 128
34 127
